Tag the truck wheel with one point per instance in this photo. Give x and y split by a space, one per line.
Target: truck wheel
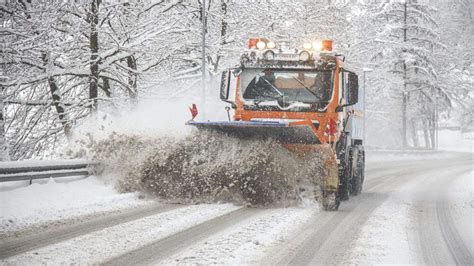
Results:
345 188
357 172
362 168
356 185
330 201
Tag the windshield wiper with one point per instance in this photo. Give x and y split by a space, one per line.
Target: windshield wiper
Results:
308 89
274 88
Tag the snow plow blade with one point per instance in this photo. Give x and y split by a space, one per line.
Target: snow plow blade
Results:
279 131
299 139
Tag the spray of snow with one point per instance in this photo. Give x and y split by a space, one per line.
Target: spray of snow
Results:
147 149
209 167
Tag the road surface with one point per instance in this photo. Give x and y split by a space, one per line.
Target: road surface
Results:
407 214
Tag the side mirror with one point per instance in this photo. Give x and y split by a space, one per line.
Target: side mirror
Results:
225 85
353 89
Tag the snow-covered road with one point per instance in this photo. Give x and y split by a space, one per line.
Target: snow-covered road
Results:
411 211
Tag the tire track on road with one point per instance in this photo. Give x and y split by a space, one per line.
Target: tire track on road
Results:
174 243
438 237
311 239
24 244
459 250
320 242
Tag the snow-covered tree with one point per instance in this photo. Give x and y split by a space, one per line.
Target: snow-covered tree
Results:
404 38
63 59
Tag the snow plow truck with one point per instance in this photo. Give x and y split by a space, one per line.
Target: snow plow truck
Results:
305 98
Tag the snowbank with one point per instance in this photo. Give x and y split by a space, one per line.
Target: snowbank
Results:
449 141
454 140
53 201
405 156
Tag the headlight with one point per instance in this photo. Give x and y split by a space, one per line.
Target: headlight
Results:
271 45
304 56
317 46
261 45
307 46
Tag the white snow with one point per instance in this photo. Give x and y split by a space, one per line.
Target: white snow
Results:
461 202
384 238
374 156
246 242
47 201
105 244
454 140
449 141
391 235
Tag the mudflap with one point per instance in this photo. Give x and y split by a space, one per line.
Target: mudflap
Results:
330 198
330 186
331 181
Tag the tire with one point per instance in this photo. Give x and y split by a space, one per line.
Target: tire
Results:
357 171
330 201
345 188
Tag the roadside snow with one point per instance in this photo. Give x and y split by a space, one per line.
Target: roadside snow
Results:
246 242
454 140
449 141
461 202
42 203
105 244
374 156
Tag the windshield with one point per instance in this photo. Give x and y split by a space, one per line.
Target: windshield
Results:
294 86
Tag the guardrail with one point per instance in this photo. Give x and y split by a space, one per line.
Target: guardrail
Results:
28 171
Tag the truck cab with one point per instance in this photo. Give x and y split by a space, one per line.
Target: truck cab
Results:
305 86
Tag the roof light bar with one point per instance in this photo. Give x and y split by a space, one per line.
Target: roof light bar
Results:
260 44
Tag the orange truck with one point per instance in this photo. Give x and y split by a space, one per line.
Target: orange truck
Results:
307 99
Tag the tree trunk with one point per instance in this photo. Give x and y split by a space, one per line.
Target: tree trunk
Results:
414 135
426 134
223 34
106 87
405 92
404 115
224 23
94 49
60 108
132 77
4 156
56 96
432 127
